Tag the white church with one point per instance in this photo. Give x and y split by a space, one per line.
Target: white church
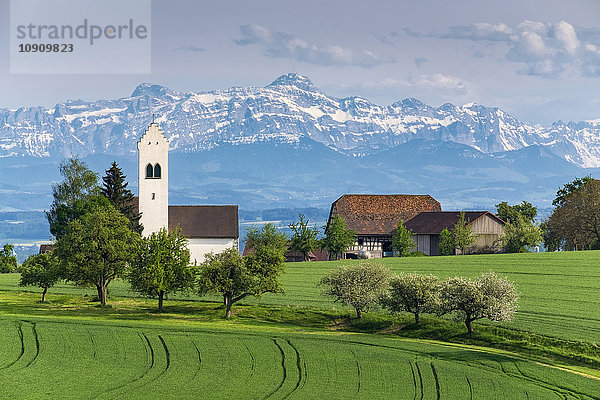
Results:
207 228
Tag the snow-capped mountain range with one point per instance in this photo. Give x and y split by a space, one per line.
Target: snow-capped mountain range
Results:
288 110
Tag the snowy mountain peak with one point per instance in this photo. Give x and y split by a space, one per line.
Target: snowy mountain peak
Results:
152 90
294 79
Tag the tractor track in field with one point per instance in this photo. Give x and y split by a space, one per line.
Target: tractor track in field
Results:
283 369
560 391
252 360
470 388
149 352
358 372
412 371
167 355
199 358
420 379
437 381
300 382
37 345
94 346
18 324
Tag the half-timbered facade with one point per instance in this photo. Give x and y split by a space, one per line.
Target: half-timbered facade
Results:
374 218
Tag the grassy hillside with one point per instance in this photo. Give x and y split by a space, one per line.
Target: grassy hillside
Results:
189 352
302 345
560 292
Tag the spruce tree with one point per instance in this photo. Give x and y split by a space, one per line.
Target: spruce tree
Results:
115 190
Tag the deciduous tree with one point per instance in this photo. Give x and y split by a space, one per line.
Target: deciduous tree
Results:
41 270
161 266
463 237
338 237
305 238
402 240
8 261
488 296
575 222
236 277
360 286
76 195
413 293
519 234
96 248
511 214
267 237
447 247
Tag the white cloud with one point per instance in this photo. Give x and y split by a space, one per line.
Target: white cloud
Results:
439 82
283 45
565 34
545 49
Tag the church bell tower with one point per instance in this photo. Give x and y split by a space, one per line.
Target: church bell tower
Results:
153 179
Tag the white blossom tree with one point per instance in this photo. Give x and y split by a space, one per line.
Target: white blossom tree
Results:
488 296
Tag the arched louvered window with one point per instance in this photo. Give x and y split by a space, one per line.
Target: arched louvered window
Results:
157 171
149 171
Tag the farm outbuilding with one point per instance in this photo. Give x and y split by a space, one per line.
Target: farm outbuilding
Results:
374 218
427 226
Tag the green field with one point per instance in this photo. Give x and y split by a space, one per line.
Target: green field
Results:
290 346
66 359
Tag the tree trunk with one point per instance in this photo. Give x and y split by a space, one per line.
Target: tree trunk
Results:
359 313
161 294
469 326
102 294
227 306
417 320
98 288
44 295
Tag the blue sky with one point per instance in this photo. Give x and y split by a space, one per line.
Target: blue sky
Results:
538 60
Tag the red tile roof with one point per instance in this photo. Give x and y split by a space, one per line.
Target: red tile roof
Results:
371 214
435 222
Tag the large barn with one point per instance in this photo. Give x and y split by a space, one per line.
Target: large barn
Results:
374 218
207 228
427 226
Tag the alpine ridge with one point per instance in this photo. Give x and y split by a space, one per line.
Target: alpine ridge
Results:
288 109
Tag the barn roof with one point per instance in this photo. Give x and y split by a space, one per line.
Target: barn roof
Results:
372 214
435 222
205 221
47 247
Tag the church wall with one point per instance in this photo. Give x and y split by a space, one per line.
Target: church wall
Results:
153 148
200 247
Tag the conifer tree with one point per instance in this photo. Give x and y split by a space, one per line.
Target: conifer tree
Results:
115 190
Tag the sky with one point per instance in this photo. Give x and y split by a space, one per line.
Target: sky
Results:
539 60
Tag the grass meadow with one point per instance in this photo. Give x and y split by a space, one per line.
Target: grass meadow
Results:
302 345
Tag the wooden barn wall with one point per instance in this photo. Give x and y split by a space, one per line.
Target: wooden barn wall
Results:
423 243
488 231
487 225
